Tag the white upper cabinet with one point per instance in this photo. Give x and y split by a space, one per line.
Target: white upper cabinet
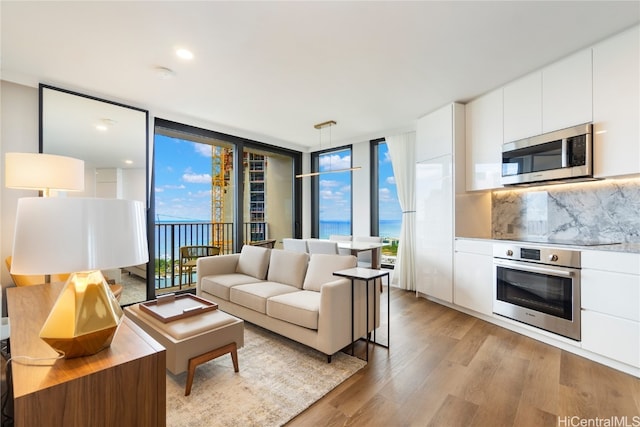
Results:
523 108
434 134
616 115
484 137
567 92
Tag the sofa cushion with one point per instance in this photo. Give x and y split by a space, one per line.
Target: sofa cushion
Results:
255 295
218 285
287 267
300 308
254 261
321 268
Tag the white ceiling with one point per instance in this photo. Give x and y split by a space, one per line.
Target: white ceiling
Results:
271 70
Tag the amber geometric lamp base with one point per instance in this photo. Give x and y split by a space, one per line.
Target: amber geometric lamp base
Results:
84 318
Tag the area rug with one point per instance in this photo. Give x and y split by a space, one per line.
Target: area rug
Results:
278 379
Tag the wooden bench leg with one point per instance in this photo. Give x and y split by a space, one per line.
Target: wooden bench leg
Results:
198 360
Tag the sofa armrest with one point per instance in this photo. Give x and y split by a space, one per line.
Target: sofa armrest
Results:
217 264
335 311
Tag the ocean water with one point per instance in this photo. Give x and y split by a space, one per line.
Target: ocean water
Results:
183 234
387 228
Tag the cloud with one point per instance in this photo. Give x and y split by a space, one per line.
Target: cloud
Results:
385 196
335 196
196 178
387 157
391 180
328 183
202 149
334 161
174 187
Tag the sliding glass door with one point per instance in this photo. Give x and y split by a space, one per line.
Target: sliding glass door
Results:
194 204
215 193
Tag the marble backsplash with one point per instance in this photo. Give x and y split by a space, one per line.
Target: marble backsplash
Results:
603 211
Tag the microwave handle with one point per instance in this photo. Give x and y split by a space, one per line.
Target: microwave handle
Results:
565 157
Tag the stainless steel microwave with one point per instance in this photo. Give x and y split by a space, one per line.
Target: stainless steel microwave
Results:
562 155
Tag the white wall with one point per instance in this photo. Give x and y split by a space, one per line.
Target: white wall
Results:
19 133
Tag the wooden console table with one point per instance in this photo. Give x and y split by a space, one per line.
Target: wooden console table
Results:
123 385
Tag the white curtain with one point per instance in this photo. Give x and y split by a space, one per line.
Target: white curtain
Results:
402 153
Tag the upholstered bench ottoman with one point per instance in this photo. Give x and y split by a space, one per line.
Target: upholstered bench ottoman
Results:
193 340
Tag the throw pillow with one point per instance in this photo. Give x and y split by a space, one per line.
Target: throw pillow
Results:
254 261
321 268
288 267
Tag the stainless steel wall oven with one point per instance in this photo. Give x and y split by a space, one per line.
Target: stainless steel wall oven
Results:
539 286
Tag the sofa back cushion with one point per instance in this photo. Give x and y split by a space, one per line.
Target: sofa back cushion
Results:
254 261
288 267
321 268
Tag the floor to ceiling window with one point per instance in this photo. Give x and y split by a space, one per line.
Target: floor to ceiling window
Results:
331 210
214 193
387 214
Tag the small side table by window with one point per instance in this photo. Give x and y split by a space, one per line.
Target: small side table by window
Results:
367 275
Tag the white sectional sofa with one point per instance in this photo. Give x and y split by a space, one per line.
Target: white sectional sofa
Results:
293 294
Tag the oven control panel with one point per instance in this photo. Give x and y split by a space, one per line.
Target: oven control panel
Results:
537 254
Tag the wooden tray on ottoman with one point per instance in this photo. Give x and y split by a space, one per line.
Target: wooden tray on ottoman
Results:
170 307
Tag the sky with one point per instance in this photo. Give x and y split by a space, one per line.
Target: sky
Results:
183 183
389 205
335 188
182 180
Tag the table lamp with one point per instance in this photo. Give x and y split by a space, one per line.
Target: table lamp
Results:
83 236
45 172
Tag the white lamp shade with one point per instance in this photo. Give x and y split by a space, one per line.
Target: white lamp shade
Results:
38 171
63 235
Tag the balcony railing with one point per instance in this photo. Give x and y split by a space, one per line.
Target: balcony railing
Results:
169 237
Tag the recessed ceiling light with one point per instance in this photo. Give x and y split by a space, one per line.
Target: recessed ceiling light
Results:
129 162
101 128
184 54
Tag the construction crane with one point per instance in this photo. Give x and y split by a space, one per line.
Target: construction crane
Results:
221 163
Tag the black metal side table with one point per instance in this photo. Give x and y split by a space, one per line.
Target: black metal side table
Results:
367 275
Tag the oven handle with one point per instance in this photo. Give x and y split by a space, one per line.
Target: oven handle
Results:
532 268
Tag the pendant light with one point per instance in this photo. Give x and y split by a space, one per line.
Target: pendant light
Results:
320 126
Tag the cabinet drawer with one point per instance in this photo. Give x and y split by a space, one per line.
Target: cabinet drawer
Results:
474 246
615 294
616 338
618 262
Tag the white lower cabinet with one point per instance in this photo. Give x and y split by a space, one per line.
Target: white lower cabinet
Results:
610 300
611 336
473 275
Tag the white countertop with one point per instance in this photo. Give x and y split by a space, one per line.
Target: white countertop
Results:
618 247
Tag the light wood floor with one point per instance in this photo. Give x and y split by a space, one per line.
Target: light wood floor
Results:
446 368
